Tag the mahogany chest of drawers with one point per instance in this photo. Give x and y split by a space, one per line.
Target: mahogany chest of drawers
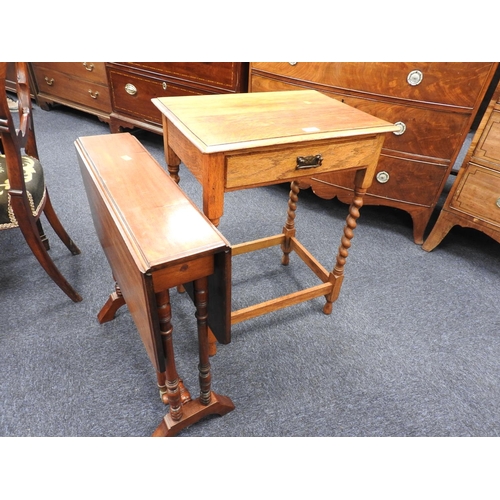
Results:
80 85
133 84
434 105
474 198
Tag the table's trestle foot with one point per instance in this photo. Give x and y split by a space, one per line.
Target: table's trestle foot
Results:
193 412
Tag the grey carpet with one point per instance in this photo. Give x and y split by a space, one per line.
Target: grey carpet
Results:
412 347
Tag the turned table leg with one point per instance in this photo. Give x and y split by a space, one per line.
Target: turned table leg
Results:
171 382
208 403
201 303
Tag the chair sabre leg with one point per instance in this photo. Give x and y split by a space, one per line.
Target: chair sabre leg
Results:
58 227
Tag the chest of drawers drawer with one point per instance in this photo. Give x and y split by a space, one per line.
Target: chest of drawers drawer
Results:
488 148
131 94
455 84
479 194
88 71
220 76
79 85
396 179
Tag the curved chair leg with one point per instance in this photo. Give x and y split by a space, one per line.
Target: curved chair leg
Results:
38 249
58 227
31 235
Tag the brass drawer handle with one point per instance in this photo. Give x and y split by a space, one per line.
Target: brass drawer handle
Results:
94 95
414 77
164 85
383 177
49 81
402 128
89 66
312 161
130 89
498 203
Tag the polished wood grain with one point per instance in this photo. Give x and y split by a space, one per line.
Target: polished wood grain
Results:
437 112
241 141
155 238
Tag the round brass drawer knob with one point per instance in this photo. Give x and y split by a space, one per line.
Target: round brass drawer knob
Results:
402 128
414 77
498 203
382 177
130 89
164 85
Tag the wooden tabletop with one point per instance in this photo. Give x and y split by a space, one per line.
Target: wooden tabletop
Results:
167 229
215 123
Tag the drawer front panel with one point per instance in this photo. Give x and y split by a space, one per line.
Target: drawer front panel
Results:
131 94
488 147
223 75
397 179
479 194
458 84
424 129
280 164
61 85
421 130
90 71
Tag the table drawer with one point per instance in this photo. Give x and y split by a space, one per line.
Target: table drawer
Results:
396 179
422 129
280 164
479 194
131 94
90 71
222 75
63 86
450 83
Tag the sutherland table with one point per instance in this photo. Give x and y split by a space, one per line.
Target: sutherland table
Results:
240 141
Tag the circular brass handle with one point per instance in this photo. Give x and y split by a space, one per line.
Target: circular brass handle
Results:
414 77
130 89
498 203
49 81
94 95
89 66
164 85
383 177
402 128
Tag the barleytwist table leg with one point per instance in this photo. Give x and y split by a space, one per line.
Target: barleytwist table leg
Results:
337 275
289 227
